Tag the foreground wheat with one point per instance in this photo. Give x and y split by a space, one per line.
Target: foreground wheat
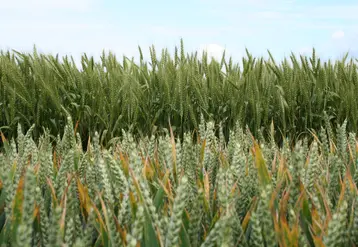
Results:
159 192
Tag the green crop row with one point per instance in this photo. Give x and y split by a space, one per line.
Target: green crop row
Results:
113 94
202 191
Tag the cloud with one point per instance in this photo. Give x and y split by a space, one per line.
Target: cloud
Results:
333 12
305 50
52 26
254 3
338 35
268 14
188 31
213 50
55 26
40 5
74 26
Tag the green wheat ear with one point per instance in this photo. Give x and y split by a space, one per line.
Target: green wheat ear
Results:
336 235
177 211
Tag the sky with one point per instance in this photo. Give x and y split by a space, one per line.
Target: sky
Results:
73 27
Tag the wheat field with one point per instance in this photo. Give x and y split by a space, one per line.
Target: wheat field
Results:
160 191
179 151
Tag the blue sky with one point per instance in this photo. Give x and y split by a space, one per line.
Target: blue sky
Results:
282 26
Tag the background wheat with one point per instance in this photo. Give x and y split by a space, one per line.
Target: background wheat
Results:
114 94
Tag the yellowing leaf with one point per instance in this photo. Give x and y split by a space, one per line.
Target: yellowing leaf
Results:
247 217
263 173
206 186
147 170
85 200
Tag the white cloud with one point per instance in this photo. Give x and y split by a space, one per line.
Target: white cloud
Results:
268 14
177 32
213 50
305 50
256 3
338 34
332 12
36 5
55 26
51 26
